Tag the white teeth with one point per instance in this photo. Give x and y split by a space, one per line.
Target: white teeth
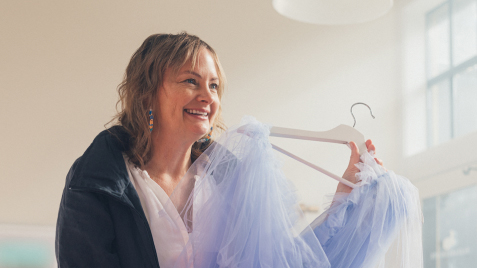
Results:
196 112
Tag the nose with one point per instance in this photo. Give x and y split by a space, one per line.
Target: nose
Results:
205 94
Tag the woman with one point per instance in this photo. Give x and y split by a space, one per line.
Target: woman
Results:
170 99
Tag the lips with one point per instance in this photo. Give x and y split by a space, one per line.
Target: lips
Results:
196 112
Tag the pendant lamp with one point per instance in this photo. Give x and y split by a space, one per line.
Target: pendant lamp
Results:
332 12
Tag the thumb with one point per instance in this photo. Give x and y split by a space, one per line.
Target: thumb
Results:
354 158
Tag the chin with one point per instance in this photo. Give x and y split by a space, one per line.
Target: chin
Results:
200 131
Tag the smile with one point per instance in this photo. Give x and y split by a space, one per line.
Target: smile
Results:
196 112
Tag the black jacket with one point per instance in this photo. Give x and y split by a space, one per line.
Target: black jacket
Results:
101 222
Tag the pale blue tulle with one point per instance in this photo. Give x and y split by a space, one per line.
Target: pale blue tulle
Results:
243 212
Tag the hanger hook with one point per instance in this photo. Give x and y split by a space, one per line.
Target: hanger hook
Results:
363 104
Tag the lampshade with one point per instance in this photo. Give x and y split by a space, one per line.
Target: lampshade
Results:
332 11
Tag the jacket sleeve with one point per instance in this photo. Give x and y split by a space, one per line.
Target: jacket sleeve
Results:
84 231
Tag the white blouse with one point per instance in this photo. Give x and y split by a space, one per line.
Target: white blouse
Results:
168 230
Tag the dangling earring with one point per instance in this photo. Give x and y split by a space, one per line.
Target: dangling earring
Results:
151 120
208 136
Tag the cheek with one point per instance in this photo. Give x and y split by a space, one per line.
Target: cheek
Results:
174 103
215 108
216 103
169 107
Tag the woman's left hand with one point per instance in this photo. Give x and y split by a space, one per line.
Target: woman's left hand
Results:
350 172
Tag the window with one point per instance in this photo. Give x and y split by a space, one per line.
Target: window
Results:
451 52
449 232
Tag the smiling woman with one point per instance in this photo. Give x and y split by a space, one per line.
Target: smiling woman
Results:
187 102
177 81
160 69
128 199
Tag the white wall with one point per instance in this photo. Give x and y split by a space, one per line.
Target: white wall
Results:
61 62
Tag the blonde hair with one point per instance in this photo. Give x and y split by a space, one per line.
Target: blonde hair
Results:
144 74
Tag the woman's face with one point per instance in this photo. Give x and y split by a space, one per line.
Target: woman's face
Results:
187 102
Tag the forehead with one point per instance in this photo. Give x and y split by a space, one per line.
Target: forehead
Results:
203 61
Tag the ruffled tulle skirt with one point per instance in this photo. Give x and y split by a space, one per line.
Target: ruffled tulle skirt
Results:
243 212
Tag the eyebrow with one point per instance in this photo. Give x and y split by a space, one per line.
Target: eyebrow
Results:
198 75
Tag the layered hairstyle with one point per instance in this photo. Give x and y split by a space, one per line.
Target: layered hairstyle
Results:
143 77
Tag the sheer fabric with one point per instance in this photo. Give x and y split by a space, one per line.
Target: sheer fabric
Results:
243 212
378 224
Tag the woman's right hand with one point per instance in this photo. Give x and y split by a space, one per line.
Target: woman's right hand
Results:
351 170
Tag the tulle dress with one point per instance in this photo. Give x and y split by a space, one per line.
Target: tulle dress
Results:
240 210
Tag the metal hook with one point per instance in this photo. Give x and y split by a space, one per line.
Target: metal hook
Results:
363 104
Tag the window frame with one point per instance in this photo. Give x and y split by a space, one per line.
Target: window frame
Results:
446 75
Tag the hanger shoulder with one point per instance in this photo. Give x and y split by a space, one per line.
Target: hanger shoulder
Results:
341 134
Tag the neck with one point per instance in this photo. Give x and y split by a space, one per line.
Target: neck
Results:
170 159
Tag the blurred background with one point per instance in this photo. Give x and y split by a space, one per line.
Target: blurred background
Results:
416 67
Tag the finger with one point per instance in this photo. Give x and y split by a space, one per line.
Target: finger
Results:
379 161
370 146
354 158
368 142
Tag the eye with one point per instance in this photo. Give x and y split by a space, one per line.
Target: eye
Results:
190 81
214 86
